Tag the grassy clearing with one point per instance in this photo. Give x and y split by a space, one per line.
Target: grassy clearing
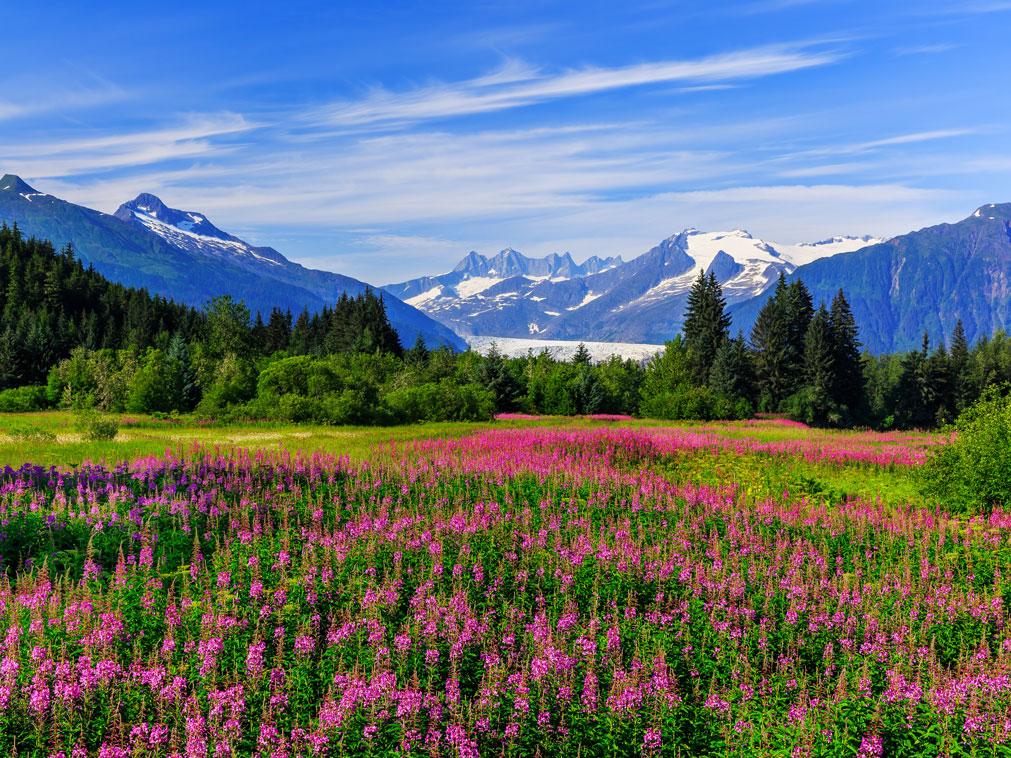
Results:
142 436
759 475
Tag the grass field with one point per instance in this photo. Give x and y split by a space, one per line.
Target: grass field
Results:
143 436
523 587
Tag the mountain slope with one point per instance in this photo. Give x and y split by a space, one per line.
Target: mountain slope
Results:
924 280
191 268
641 300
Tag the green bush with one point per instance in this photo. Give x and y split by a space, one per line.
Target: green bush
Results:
23 399
972 473
442 401
95 427
684 402
32 433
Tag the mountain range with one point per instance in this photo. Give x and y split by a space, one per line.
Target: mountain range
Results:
639 301
898 288
183 256
923 281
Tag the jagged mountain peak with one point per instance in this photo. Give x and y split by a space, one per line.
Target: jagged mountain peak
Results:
642 299
14 183
471 262
150 211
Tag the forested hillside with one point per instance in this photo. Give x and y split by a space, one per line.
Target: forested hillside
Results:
71 338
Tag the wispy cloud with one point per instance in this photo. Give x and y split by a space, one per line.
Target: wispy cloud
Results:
64 101
516 85
942 47
61 158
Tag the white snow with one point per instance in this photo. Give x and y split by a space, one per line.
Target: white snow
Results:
806 252
590 297
473 285
424 297
189 240
564 349
676 285
552 313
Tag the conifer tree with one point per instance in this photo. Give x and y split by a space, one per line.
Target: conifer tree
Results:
417 355
819 368
770 349
733 372
706 325
183 382
961 392
589 393
278 331
797 309
494 374
582 355
849 389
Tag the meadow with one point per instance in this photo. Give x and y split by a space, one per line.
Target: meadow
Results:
583 587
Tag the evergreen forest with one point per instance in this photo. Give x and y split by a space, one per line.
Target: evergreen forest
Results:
71 338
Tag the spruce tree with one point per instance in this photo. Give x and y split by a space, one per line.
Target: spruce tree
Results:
278 331
589 393
733 372
582 355
849 389
819 371
706 325
183 382
961 392
496 376
797 309
908 396
10 359
417 355
770 350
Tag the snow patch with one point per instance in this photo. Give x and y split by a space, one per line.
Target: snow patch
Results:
473 285
188 240
590 297
424 297
513 347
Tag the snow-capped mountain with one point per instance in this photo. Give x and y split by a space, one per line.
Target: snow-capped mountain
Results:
181 255
926 280
641 300
192 232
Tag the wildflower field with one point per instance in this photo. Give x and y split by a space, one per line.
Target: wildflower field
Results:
600 588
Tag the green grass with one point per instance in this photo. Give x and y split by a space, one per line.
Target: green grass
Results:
151 437
760 475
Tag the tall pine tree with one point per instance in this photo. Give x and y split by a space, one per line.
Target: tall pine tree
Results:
706 325
819 369
849 390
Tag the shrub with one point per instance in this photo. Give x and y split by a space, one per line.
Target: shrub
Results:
973 471
32 433
685 402
442 401
95 427
23 399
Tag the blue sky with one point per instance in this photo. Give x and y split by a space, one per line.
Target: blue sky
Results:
384 141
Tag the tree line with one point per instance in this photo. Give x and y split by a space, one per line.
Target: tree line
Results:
71 338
